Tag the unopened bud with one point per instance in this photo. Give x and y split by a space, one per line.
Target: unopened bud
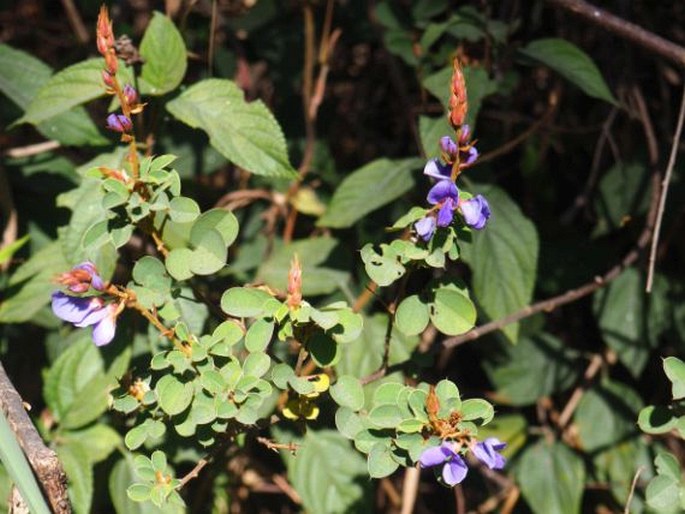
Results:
294 298
119 123
111 62
130 95
458 103
107 78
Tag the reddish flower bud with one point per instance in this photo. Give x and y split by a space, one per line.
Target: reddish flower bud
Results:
294 298
458 101
111 62
107 78
119 123
105 36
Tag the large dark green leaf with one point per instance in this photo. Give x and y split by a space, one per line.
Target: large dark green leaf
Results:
245 133
330 475
23 77
164 52
507 248
572 63
551 477
368 188
537 366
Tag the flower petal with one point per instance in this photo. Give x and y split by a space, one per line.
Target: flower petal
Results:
436 170
93 317
441 191
487 452
446 213
71 308
454 471
476 212
103 332
425 227
448 146
435 456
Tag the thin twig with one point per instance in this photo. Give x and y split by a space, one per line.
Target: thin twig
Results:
410 488
664 192
75 21
632 489
590 372
193 473
625 29
34 149
212 36
43 460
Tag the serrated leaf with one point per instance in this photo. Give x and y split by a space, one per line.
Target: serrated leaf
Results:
329 475
507 247
164 53
245 133
551 478
367 189
572 63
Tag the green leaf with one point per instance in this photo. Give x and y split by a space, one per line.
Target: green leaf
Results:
675 371
25 76
323 349
613 406
348 392
476 408
329 475
386 416
430 131
368 188
507 247
79 471
183 209
380 462
178 263
210 252
68 88
121 477
99 441
244 302
571 63
31 284
173 395
657 419
224 222
452 312
536 366
621 308
245 133
623 192
412 315
14 461
259 335
316 279
348 422
256 364
8 251
164 53
384 268
551 478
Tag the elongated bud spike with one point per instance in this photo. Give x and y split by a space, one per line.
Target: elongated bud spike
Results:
458 101
432 404
104 34
294 298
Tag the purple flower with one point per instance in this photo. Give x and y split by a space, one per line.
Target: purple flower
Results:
81 277
130 94
425 227
85 312
468 157
446 195
454 469
449 147
435 169
488 452
476 211
118 123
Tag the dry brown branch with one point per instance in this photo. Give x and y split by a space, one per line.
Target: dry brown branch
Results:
625 29
75 21
43 460
410 488
34 149
590 372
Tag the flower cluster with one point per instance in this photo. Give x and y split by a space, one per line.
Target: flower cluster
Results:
86 311
455 156
454 466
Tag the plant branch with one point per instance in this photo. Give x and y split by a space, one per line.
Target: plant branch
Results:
664 192
599 281
43 460
625 29
590 372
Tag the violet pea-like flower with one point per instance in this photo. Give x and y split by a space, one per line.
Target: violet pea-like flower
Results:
488 452
454 467
119 123
476 211
85 312
446 195
435 169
